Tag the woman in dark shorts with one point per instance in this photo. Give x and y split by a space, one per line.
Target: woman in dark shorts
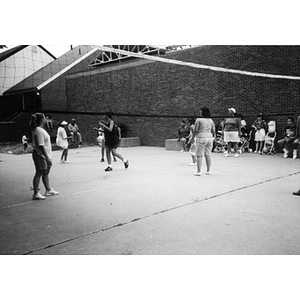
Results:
111 141
41 155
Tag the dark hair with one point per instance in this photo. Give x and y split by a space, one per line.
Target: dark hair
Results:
205 112
36 120
291 118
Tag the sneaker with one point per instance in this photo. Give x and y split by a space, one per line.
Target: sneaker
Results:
52 192
108 169
102 160
297 193
197 174
255 151
192 164
207 173
285 153
181 150
226 154
67 161
236 155
295 154
38 196
126 164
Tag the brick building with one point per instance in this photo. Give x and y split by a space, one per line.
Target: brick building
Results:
150 98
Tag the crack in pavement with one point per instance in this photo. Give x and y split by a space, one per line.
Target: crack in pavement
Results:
197 200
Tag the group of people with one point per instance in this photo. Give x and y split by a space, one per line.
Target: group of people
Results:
199 137
42 148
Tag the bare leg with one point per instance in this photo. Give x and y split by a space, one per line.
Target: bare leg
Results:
108 157
45 179
115 154
229 147
36 181
199 163
208 162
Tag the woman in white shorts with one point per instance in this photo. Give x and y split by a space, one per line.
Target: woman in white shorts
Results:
231 132
260 127
62 141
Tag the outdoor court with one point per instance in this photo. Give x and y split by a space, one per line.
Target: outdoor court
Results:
156 206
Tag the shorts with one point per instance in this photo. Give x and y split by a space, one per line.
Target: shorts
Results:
231 136
203 146
193 149
101 141
260 135
39 162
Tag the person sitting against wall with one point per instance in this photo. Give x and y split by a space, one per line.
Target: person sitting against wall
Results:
289 141
74 131
183 133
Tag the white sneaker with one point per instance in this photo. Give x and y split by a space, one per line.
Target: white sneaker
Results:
237 155
192 164
295 154
197 174
207 173
38 196
226 154
52 192
67 162
285 153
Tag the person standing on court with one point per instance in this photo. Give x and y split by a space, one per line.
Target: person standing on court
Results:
231 132
41 155
111 141
205 133
260 127
297 137
74 130
62 141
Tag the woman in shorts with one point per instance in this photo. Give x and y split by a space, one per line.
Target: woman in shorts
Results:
111 135
41 155
260 127
204 132
62 141
231 132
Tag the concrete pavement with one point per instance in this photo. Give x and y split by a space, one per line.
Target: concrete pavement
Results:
156 206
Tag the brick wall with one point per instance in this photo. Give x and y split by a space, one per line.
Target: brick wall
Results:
151 98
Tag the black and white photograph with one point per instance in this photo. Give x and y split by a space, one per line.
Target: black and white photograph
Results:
177 153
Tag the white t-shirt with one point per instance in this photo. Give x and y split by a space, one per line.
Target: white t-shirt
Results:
61 138
40 137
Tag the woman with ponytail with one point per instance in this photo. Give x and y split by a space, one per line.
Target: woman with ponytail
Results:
41 155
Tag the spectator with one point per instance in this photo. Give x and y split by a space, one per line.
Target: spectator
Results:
231 132
183 133
74 131
25 142
260 127
290 140
41 155
298 137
